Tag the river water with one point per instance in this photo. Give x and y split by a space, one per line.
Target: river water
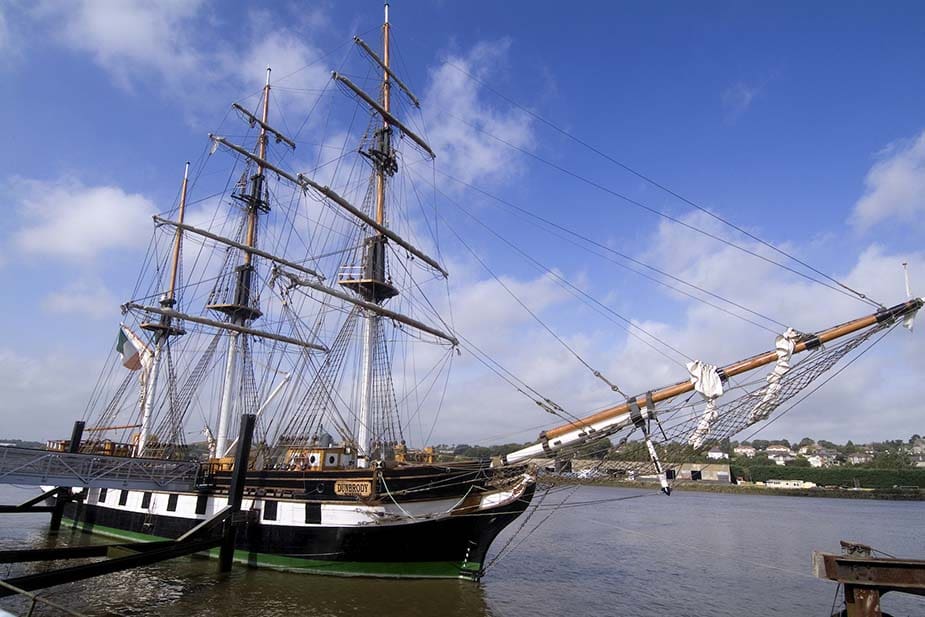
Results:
606 552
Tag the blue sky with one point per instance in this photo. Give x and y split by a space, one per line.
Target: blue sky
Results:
803 124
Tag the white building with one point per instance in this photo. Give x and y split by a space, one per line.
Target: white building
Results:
789 484
746 451
918 446
716 454
817 461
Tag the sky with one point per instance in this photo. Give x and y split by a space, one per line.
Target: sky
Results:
802 124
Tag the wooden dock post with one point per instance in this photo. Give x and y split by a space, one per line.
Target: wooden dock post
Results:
62 496
866 578
236 491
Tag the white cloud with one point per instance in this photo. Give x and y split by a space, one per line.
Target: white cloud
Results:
487 306
42 396
738 97
67 219
481 408
894 186
88 298
5 42
294 64
183 50
842 409
128 36
456 113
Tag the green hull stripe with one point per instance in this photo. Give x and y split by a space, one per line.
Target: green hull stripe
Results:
394 569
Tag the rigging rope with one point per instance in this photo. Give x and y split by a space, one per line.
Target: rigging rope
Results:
659 185
517 299
840 288
625 256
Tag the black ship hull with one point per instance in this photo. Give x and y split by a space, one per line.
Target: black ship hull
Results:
431 536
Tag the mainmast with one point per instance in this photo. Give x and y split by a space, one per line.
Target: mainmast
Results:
162 329
373 286
240 310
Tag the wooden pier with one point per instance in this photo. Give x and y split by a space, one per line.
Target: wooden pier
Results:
218 531
866 578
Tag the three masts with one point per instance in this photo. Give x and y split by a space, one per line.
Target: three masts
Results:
367 286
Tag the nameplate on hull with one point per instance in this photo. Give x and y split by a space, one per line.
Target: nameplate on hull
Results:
353 488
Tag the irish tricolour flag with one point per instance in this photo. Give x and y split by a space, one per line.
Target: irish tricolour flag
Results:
133 350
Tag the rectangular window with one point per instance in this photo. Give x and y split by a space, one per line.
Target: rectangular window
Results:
201 502
269 510
313 513
172 502
146 501
102 497
123 498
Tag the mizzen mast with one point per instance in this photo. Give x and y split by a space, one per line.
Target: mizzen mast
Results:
164 328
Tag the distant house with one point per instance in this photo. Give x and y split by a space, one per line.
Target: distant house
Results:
817 460
716 454
746 451
918 446
859 459
781 455
822 458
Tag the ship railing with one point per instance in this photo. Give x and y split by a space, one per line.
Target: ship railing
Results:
350 273
43 468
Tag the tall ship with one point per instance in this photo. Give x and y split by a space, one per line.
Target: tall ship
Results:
316 302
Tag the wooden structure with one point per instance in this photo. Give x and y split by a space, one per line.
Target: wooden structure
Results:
219 531
866 578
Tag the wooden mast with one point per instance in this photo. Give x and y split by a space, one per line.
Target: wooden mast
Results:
386 105
240 310
257 192
178 239
164 328
743 366
374 268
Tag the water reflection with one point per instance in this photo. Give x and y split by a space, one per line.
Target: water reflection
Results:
191 587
